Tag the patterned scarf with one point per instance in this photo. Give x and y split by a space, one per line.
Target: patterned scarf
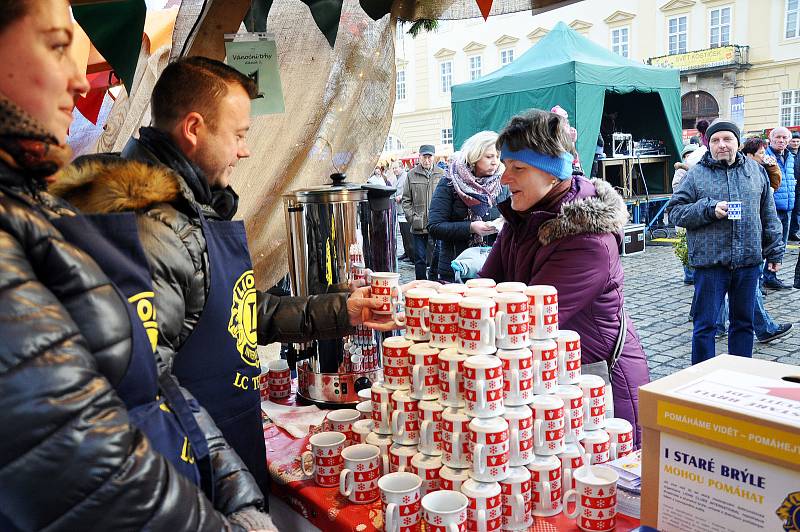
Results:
27 147
479 194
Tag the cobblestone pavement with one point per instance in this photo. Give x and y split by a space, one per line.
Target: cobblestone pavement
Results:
659 302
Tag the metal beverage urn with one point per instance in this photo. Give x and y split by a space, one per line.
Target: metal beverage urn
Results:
334 232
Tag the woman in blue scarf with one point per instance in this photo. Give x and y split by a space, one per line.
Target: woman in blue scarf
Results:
466 201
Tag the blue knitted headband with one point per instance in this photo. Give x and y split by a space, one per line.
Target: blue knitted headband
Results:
560 167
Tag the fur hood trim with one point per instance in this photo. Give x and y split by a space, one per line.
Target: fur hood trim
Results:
605 212
107 185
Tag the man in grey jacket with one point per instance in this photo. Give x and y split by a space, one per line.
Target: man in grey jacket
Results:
421 183
727 207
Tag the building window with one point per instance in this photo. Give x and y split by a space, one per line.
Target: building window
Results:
720 27
790 108
792 19
619 41
400 85
447 136
392 144
475 67
677 35
506 56
446 75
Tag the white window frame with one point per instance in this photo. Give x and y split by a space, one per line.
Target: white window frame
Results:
720 27
504 54
678 34
789 108
621 46
446 135
445 75
400 85
475 72
791 24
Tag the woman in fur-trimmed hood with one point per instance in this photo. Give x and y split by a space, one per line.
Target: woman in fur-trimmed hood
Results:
564 230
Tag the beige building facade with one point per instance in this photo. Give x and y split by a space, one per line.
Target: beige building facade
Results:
739 59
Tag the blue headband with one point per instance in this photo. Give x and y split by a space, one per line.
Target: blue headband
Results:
560 167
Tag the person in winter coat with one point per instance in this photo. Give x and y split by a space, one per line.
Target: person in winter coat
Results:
421 182
784 196
401 178
465 201
211 316
565 231
71 455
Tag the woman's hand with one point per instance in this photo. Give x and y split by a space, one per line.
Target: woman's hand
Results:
482 228
360 306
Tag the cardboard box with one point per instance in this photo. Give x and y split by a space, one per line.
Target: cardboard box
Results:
721 447
633 241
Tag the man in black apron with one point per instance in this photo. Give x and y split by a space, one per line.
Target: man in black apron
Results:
211 316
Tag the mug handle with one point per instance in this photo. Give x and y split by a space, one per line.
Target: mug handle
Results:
515 381
426 314
452 382
500 327
488 338
426 431
480 395
385 462
303 460
479 459
345 487
547 493
481 520
394 300
562 365
514 442
538 433
385 418
401 468
612 451
452 527
416 378
538 309
392 518
398 428
571 494
537 375
518 509
567 481
567 421
368 278
456 452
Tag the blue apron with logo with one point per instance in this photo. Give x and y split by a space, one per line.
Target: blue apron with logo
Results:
218 362
155 405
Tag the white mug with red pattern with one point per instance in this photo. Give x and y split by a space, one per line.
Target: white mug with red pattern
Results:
489 446
453 288
511 320
361 429
342 421
418 314
451 377
595 497
483 386
400 457
405 418
456 451
516 489
597 444
452 478
569 357
381 408
546 486
594 401
571 459
444 320
280 379
385 288
424 371
480 282
573 411
397 363
543 308
400 500
545 366
427 468
620 432
520 434
481 291
517 376
382 442
510 286
485 511
548 424
476 326
445 511
358 481
326 458
430 427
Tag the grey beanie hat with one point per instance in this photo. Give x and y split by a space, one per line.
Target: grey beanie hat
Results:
723 125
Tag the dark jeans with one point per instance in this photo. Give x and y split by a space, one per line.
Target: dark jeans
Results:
794 223
783 216
408 242
420 256
710 285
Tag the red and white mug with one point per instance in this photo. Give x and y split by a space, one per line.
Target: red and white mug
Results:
280 379
430 434
597 445
546 486
400 457
520 434
573 411
358 481
543 308
381 408
400 500
485 511
385 288
405 418
325 458
517 376
452 478
511 320
548 425
571 459
569 357
483 386
620 432
545 366
595 497
445 511
489 447
397 363
456 449
418 314
342 421
424 371
516 489
594 401
480 282
476 326
427 468
451 377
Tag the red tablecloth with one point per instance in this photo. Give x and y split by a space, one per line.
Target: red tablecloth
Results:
330 512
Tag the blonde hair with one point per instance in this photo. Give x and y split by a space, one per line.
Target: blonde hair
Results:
474 147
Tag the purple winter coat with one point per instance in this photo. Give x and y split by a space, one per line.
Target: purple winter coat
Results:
575 247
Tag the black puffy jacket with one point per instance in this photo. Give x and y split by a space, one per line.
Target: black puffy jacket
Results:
69 458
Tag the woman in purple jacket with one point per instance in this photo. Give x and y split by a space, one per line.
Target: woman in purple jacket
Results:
564 230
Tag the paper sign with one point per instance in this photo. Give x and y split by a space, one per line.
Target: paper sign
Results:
258 60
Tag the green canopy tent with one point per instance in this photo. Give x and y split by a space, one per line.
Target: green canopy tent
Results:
585 79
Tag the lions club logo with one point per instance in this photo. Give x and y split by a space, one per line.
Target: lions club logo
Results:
146 311
789 512
242 325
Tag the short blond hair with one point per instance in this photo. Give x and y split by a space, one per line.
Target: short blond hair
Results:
474 147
